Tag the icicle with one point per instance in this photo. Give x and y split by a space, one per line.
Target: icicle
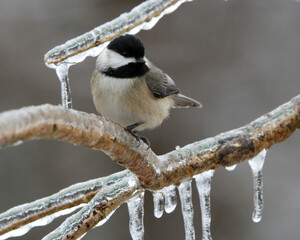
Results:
231 168
185 194
136 216
158 201
256 165
203 182
62 73
170 198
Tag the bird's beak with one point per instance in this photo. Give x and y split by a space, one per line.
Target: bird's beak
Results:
140 60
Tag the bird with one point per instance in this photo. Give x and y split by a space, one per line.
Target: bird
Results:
130 90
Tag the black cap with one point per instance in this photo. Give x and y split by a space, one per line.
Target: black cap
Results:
128 46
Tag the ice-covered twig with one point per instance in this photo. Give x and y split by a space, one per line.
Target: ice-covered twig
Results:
95 132
143 16
98 210
34 212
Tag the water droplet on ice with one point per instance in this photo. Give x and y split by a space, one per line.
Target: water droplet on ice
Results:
231 168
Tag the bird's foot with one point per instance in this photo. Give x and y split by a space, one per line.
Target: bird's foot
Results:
137 137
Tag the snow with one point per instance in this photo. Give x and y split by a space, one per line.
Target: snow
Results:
203 182
136 216
256 165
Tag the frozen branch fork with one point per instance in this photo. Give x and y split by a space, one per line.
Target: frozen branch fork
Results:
147 170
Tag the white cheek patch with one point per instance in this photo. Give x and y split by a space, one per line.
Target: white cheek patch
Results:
110 59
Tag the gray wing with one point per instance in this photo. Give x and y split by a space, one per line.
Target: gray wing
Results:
159 83
161 86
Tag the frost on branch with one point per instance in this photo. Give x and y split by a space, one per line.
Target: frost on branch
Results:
153 172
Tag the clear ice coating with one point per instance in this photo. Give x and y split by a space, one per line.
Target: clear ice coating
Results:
40 222
203 182
256 165
143 16
62 73
127 183
55 201
159 203
170 198
136 216
185 194
231 168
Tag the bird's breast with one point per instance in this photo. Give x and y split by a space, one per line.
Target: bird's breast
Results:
129 101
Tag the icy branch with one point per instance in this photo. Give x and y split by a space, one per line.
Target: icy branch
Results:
98 210
143 16
154 172
35 212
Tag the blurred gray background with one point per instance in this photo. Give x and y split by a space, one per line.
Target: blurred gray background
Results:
239 58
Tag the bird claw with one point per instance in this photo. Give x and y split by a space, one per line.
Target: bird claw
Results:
140 139
137 137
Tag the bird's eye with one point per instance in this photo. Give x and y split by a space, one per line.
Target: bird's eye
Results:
125 54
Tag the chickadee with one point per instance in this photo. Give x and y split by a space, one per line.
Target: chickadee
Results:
130 90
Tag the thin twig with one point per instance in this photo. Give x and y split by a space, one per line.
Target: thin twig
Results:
99 209
80 193
143 16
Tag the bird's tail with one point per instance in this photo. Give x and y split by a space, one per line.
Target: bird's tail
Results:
181 101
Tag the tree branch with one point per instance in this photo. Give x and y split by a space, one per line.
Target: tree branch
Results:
154 172
229 148
75 195
143 16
